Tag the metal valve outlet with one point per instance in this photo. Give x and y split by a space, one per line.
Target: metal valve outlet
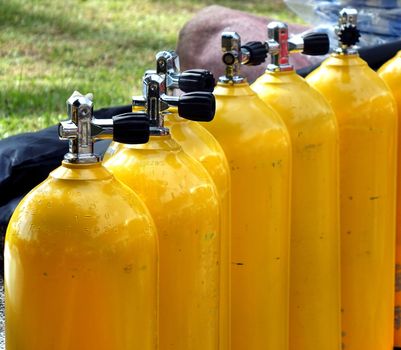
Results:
347 31
279 46
196 106
167 63
82 129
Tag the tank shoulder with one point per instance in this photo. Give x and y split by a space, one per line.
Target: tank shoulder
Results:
80 211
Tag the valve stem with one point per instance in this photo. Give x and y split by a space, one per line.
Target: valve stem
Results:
78 129
277 34
232 57
82 129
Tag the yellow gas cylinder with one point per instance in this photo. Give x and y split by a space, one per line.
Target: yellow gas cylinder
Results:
201 145
257 147
81 252
184 203
391 74
315 236
367 121
197 142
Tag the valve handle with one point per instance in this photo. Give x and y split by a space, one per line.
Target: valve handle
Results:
131 128
316 44
257 53
196 80
349 35
197 106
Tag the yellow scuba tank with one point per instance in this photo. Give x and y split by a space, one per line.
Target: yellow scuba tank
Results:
81 251
184 203
391 74
257 147
367 121
197 142
201 145
315 236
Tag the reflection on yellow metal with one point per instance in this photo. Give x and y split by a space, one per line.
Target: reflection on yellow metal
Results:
184 204
315 236
111 150
201 145
81 265
391 74
257 147
366 117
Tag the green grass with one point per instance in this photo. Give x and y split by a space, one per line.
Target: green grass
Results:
48 48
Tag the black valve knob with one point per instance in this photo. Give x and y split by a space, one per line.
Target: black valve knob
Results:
197 106
349 35
316 44
257 53
196 80
131 128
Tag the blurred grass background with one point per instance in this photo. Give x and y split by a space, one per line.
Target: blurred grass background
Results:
48 48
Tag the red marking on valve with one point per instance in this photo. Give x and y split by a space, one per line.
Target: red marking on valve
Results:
283 40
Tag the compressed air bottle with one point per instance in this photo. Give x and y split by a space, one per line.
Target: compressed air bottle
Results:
201 145
183 201
315 237
81 250
367 121
391 74
197 142
257 146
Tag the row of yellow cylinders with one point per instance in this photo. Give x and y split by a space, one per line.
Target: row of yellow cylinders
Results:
343 136
259 158
343 140
285 287
180 196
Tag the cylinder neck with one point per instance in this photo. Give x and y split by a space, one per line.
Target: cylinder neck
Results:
157 143
81 172
155 114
